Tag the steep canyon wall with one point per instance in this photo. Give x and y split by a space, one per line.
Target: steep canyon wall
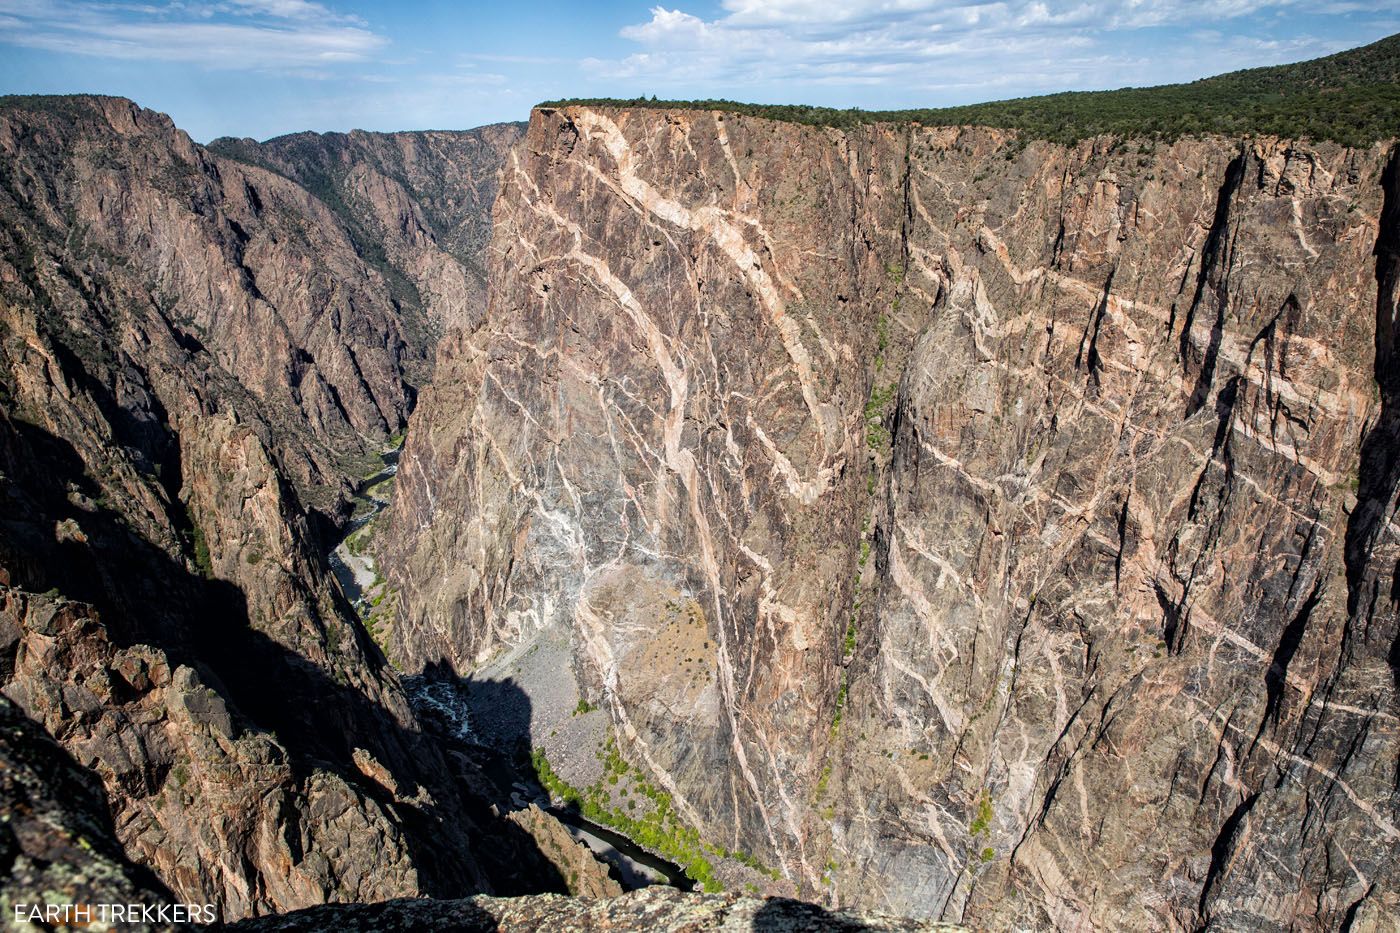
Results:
197 365
965 527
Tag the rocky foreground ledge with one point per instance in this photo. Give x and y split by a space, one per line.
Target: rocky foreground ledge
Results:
57 847
657 908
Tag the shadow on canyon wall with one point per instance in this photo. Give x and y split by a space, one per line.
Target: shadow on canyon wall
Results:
49 800
491 722
1379 469
458 842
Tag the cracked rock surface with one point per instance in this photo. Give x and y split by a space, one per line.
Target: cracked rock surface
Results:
931 523
56 841
1035 506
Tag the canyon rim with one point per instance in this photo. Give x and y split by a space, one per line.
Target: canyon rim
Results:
860 520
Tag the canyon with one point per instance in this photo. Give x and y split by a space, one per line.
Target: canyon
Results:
962 528
921 522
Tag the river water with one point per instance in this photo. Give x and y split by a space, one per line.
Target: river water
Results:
356 572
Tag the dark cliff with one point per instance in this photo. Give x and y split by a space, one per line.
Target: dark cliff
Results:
417 205
196 367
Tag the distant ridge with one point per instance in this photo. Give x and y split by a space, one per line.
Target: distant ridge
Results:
1352 98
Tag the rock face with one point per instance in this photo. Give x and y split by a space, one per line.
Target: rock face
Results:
132 242
585 875
927 521
966 528
658 909
57 841
195 367
222 808
417 205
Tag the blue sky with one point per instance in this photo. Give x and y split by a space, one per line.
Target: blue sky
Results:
264 67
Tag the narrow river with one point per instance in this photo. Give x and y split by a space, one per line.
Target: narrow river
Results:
356 572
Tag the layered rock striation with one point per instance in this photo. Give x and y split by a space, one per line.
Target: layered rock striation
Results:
923 520
966 527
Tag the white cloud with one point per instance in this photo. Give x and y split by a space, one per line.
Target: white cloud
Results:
820 12
305 10
669 26
263 34
1034 45
286 9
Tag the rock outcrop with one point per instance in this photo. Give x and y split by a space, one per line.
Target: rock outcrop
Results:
416 204
61 852
196 368
223 809
584 874
56 842
961 526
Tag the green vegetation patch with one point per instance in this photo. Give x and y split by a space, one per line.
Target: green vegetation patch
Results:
1352 98
982 818
378 615
200 545
877 436
659 829
853 626
840 712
